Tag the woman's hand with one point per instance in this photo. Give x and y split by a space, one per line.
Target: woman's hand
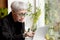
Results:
29 34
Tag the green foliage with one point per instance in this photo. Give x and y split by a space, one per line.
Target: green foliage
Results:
3 12
29 7
47 19
34 27
35 16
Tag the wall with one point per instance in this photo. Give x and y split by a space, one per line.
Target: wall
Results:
3 3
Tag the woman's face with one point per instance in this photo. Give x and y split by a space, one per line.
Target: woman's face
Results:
20 15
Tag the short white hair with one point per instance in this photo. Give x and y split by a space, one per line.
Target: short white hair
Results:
17 5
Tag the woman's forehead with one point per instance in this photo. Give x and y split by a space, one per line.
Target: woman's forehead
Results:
19 11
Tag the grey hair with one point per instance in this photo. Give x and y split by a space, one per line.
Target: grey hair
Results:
17 5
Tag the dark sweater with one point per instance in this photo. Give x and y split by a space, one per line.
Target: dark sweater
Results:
10 30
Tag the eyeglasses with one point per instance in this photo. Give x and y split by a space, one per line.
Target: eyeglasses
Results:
22 14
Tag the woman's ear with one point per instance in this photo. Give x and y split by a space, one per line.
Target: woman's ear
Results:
13 13
14 16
